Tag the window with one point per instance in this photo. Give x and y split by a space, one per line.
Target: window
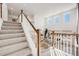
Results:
50 22
66 17
57 20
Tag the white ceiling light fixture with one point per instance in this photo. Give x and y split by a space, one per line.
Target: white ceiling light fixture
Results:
11 8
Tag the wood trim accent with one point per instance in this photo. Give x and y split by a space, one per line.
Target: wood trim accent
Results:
38 42
74 34
1 10
53 39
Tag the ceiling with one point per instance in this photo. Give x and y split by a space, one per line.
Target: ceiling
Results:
38 8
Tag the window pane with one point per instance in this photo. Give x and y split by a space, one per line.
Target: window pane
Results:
50 22
57 20
66 18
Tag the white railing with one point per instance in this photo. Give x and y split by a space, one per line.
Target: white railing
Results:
59 44
66 42
31 33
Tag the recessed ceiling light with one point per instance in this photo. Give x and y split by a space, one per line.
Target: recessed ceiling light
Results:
11 8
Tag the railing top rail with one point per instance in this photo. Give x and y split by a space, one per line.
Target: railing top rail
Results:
30 23
57 33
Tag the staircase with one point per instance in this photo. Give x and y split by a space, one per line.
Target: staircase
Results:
13 41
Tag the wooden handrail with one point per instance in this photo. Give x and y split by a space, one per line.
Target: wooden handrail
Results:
56 33
30 23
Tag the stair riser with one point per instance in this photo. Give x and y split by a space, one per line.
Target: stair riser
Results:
7 36
4 28
11 26
11 41
23 52
5 24
11 22
9 32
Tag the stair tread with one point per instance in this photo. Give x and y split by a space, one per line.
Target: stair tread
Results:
12 48
23 52
11 41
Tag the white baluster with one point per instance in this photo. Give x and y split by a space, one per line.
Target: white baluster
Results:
67 44
75 45
70 44
64 43
66 38
56 41
60 42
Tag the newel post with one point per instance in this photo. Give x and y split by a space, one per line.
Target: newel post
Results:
38 42
53 33
21 15
1 9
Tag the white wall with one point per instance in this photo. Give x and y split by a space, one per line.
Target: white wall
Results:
39 22
4 12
